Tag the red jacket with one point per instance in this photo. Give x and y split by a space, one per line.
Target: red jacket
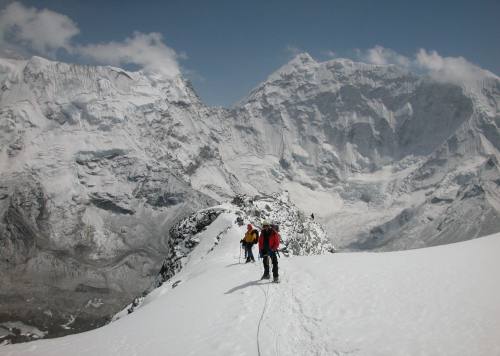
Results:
274 240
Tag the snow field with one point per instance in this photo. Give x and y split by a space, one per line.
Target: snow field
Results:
436 301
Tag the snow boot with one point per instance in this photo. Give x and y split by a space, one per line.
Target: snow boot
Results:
276 279
265 276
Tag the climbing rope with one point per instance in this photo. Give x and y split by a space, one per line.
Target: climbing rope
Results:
266 293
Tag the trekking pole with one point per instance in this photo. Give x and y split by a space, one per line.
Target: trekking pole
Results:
239 259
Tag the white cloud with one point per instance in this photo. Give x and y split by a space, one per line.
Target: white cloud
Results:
330 54
43 31
293 50
29 31
144 49
385 56
456 70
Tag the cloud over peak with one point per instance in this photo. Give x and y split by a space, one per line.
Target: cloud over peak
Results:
146 50
34 31
29 31
385 56
456 70
43 31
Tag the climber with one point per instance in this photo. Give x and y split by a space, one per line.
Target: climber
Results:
269 242
250 239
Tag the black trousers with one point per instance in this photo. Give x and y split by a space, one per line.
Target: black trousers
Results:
274 260
248 251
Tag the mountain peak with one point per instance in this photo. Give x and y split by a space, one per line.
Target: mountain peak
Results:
303 58
300 63
39 63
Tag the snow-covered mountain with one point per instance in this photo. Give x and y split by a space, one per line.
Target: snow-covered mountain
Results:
385 158
442 301
97 164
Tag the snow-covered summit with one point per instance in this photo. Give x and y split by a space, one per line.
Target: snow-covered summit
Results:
52 80
303 73
300 63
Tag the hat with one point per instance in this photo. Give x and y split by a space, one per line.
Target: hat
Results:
265 222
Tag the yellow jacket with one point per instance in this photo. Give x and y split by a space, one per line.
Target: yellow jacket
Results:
251 236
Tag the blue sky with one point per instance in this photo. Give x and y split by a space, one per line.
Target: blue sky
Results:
227 47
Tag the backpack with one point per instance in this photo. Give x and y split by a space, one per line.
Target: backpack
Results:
255 232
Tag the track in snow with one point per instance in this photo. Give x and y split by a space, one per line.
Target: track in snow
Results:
266 293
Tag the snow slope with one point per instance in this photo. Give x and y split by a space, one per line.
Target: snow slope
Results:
442 301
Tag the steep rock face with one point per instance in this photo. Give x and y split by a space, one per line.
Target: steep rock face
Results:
339 116
95 166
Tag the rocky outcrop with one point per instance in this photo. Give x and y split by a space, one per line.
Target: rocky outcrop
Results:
300 235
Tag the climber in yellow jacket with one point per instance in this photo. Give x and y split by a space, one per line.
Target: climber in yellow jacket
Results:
250 239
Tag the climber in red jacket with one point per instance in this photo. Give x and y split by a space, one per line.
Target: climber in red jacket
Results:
269 242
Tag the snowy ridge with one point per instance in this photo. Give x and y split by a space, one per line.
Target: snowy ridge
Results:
299 235
183 239
399 303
